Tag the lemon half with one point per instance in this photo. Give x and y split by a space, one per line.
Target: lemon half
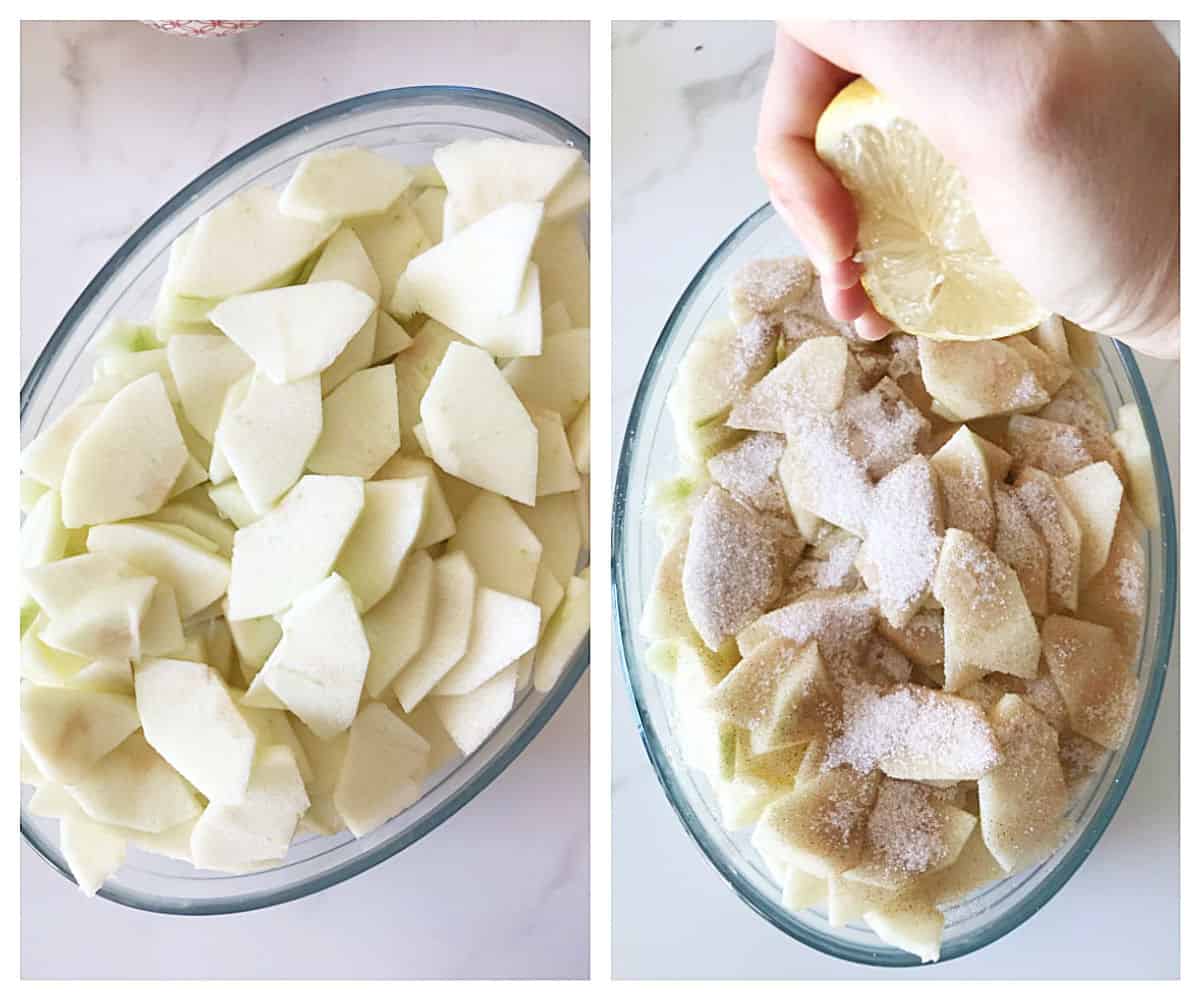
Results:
926 264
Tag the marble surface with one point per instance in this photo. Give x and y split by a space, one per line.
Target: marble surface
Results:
115 119
684 103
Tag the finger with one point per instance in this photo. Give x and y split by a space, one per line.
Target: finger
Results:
810 198
845 304
872 326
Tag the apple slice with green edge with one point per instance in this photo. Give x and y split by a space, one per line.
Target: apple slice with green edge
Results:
45 457
391 241
243 244
561 255
197 576
121 337
317 670
92 851
361 425
67 731
398 626
438 523
371 558
471 718
556 523
386 760
269 436
126 460
115 371
564 632
294 547
105 623
133 787
1131 441
344 183
556 465
503 628
558 379
189 717
503 549
579 436
257 827
492 442
454 585
296 331
390 339
204 366
481 175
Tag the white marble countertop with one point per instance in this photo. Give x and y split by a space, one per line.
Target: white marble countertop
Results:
684 104
115 118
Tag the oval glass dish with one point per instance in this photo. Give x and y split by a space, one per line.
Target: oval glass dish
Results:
406 124
648 456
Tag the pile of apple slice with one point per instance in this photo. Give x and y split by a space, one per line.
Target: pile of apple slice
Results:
901 592
316 525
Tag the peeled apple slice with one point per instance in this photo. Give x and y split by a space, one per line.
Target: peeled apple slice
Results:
926 264
45 457
243 244
126 461
386 759
334 184
503 628
204 366
482 175
361 428
66 732
471 718
491 443
373 554
503 549
92 851
567 628
398 626
296 331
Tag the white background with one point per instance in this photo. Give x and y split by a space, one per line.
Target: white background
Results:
115 118
683 117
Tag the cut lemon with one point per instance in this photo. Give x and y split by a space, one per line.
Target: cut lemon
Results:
926 264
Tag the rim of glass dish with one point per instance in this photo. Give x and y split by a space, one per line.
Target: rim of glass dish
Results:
626 643
399 98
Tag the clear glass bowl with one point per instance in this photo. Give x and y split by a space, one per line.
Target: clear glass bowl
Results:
407 124
648 455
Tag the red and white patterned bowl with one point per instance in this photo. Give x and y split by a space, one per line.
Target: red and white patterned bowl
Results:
203 29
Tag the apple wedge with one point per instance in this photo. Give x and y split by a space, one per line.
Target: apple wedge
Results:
44 539
1043 501
910 926
66 732
318 667
258 827
134 788
966 480
269 435
815 378
189 717
579 436
1131 441
438 523
430 206
1094 495
564 632
561 255
979 378
294 547
344 183
471 718
391 240
503 628
92 851
390 339
1019 544
370 561
204 366
170 553
45 457
361 425
558 379
386 760
296 331
502 548
482 175
491 443
555 521
556 471
126 460
398 626
1091 670
104 623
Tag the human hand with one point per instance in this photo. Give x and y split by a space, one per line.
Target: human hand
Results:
1067 134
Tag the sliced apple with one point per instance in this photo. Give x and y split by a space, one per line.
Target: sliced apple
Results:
555 319
438 523
126 461
294 547
172 555
493 442
482 175
397 626
559 378
1055 448
1131 441
390 339
430 206
326 758
391 241
966 479
979 378
343 183
296 331
1019 544
822 476
258 827
189 717
204 366
555 521
561 255
454 585
556 472
110 676
386 760
361 428
502 548
988 625
1091 670
44 539
910 926
1116 596
318 667
1048 510
232 503
92 851
1094 495
565 631
133 787
45 458
66 732
106 622
815 378
1023 800
471 718
371 558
